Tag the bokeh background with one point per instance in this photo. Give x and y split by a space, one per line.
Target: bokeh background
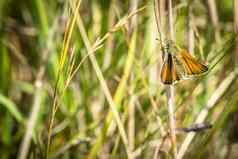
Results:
81 70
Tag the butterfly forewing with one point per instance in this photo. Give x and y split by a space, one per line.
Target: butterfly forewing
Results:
191 66
169 73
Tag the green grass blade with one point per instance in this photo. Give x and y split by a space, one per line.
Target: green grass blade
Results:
12 108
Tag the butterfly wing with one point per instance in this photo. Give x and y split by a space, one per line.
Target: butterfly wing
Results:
191 66
169 73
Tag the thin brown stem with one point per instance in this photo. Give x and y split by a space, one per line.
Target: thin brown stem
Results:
110 40
158 10
214 18
236 32
31 123
131 123
106 91
190 33
131 113
171 20
170 89
172 122
133 7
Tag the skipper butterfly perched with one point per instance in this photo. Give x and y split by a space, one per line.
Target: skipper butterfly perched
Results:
178 65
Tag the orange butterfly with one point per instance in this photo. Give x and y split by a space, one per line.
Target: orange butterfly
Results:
177 67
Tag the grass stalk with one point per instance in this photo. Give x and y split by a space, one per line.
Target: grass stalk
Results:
236 32
63 54
214 18
110 40
218 93
131 123
190 33
131 111
43 17
172 122
94 92
24 148
115 113
122 85
25 144
98 43
170 89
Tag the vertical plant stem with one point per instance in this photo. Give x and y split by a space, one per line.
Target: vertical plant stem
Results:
24 148
131 113
214 18
236 32
190 33
110 40
170 20
158 8
159 14
41 10
133 7
170 89
103 83
131 123
172 122
63 56
32 119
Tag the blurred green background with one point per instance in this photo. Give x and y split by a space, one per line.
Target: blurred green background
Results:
33 76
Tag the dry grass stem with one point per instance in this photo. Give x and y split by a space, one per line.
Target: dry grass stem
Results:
103 84
110 41
190 33
214 18
30 126
170 89
85 79
236 32
218 93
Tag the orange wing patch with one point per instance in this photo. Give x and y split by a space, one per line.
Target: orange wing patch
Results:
191 66
169 73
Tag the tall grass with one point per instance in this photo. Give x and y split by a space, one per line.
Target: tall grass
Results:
80 79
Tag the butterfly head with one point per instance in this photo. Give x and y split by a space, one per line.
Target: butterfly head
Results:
167 47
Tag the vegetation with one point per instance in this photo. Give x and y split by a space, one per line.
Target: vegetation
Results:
81 79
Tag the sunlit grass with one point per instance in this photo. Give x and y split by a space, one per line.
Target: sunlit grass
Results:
81 80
